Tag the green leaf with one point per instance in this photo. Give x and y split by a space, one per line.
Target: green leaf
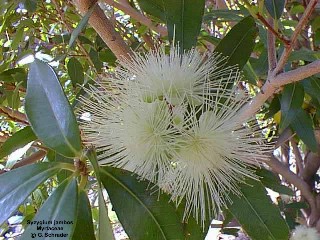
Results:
60 210
49 112
275 7
250 74
31 5
272 181
84 226
16 141
105 229
53 156
304 54
18 184
92 156
312 87
75 71
82 24
238 44
18 37
224 15
144 213
14 75
302 125
291 103
184 18
259 218
94 56
154 8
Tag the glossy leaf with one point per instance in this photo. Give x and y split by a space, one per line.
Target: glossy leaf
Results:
143 213
75 71
81 25
49 112
291 102
53 156
18 184
16 141
94 56
303 126
275 7
60 210
92 156
105 229
312 87
84 226
154 8
184 20
238 44
250 74
272 181
259 218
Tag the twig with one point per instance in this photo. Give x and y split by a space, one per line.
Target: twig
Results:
312 164
147 39
297 156
70 29
271 29
292 178
14 115
272 58
275 80
28 160
103 26
138 17
301 24
273 83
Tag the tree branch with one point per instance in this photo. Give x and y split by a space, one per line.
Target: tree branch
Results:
28 160
292 178
272 58
14 115
298 158
272 85
303 21
103 26
271 29
138 17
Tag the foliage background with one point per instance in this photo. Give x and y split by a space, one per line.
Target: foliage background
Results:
275 43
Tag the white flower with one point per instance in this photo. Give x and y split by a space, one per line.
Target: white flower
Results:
302 232
172 119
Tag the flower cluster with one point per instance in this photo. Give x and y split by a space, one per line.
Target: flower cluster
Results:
172 119
302 232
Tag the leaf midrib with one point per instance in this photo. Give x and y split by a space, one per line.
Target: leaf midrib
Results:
256 213
138 200
66 140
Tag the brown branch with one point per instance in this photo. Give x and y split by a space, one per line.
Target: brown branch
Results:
28 160
70 29
301 24
272 85
138 17
271 29
271 41
14 115
103 26
147 39
275 80
292 178
298 158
